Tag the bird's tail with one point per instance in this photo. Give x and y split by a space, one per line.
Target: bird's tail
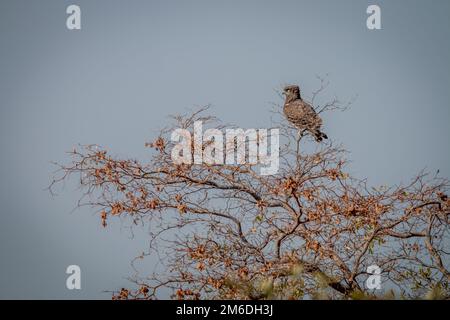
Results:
320 135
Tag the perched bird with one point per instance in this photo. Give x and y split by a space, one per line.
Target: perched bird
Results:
301 114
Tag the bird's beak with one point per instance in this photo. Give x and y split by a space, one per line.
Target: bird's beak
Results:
283 93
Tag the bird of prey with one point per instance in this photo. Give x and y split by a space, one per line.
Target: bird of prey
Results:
301 114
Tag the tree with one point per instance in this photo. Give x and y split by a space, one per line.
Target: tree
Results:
311 230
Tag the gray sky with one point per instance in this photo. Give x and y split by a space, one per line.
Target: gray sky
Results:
115 81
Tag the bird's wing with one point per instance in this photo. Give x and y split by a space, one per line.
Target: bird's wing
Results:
302 114
311 114
307 108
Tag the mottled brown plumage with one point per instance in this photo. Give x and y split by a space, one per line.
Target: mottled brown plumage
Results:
301 114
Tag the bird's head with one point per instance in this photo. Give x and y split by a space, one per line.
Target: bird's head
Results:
292 92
